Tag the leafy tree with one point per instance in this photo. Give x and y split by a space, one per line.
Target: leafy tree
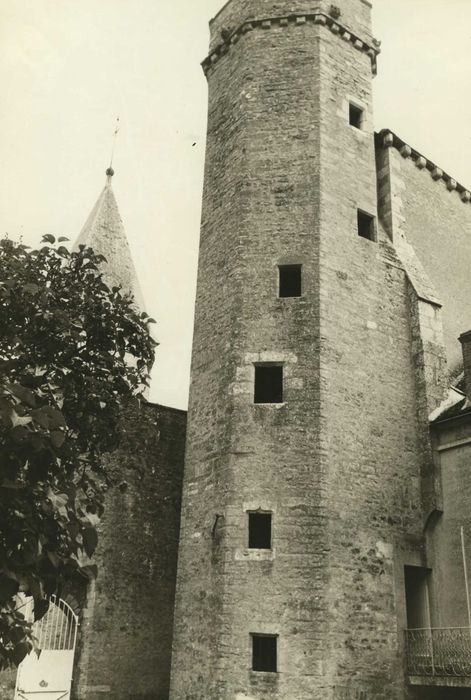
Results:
73 353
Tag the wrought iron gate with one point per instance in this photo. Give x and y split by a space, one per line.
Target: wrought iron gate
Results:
49 676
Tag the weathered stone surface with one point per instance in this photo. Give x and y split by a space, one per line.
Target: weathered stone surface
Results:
338 462
438 225
126 625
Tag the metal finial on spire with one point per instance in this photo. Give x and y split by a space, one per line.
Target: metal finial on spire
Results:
110 171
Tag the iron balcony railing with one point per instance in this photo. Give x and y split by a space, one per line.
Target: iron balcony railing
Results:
442 651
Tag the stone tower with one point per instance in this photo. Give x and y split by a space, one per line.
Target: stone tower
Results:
300 487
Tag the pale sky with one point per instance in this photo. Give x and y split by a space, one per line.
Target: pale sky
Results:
68 68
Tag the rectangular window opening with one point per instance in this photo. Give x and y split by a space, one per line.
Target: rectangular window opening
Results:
260 530
289 280
264 652
366 225
268 384
355 116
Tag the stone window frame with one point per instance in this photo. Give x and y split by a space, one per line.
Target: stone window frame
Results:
243 386
271 363
373 222
356 116
367 118
260 511
246 554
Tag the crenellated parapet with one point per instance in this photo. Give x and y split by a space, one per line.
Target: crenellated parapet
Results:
229 38
388 139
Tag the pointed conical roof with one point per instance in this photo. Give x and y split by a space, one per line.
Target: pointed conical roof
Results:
104 232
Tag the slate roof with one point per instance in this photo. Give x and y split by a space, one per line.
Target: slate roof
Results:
104 232
454 406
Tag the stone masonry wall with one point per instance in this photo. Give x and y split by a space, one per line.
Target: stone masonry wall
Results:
437 222
427 215
370 449
425 310
274 458
200 582
126 626
259 210
338 463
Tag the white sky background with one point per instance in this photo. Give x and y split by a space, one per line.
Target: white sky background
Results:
69 67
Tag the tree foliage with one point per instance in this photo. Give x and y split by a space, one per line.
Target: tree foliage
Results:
73 352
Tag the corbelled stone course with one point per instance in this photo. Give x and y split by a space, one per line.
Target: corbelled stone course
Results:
232 37
387 139
437 225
